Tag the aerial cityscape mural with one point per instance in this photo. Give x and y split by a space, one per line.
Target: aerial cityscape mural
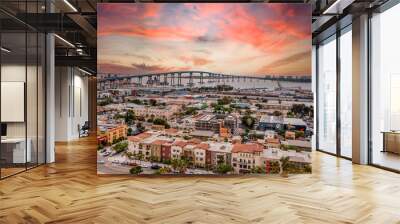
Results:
204 88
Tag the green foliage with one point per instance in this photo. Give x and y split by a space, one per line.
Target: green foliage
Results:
274 167
120 146
164 170
167 161
136 101
277 113
118 116
136 170
130 117
160 121
130 131
223 168
248 121
258 169
224 100
284 162
100 146
302 110
289 147
153 159
299 134
153 102
105 101
190 111
290 114
179 165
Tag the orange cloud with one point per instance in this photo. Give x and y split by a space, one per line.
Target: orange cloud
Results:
197 61
289 28
293 64
184 33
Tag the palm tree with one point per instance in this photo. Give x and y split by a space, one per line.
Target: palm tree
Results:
283 164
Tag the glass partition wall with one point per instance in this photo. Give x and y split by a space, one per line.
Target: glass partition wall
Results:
327 95
334 93
22 88
385 89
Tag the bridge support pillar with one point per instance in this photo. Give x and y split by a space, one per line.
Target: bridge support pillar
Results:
190 79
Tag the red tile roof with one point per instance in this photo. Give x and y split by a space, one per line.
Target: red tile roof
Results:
203 145
171 131
180 143
139 137
247 148
195 141
159 142
273 140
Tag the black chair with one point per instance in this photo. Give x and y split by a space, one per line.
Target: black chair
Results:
84 130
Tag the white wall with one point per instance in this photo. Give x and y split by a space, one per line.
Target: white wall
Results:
71 103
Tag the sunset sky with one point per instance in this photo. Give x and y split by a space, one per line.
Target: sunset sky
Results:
247 39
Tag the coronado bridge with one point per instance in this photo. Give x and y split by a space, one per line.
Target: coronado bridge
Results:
175 78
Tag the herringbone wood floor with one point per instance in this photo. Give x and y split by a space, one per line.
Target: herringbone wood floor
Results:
69 191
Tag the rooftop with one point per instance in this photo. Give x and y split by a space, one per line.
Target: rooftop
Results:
271 119
202 133
298 143
247 148
294 121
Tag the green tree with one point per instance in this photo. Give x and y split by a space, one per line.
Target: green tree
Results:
284 164
224 100
179 165
277 113
248 121
136 101
130 117
299 134
120 146
136 170
153 102
130 131
107 100
223 168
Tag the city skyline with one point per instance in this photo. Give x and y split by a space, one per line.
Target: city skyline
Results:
249 39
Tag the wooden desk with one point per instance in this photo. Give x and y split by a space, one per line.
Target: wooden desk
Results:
391 141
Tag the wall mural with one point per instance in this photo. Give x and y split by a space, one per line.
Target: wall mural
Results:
204 89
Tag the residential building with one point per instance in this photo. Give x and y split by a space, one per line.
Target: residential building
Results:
111 133
207 122
246 157
200 152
